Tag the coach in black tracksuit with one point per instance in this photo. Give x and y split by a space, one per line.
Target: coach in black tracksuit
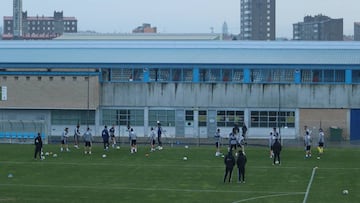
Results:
38 145
241 162
229 161
276 149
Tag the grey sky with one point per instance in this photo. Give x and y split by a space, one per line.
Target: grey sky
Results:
183 16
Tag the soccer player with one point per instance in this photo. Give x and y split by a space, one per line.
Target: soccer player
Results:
76 136
133 141
232 140
38 146
64 138
321 142
276 134
112 136
229 161
105 136
152 139
217 142
277 149
159 133
88 141
307 143
244 131
271 142
241 162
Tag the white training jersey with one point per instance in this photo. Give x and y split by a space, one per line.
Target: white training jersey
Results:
307 140
321 137
153 135
132 135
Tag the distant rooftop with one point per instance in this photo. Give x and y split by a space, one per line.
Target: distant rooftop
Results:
99 53
140 36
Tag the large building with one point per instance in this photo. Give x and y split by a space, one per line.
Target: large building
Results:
191 87
357 31
257 19
22 26
17 23
319 28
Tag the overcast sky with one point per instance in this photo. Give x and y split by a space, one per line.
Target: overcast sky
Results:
183 16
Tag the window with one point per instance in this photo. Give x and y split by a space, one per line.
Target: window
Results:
188 75
229 118
160 74
356 76
166 117
323 75
124 117
73 117
202 118
270 119
189 118
272 75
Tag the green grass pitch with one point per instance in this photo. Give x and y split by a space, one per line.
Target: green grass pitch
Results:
164 176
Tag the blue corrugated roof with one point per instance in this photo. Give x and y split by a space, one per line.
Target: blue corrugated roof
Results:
184 52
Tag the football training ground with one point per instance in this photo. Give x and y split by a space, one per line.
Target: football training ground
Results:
163 176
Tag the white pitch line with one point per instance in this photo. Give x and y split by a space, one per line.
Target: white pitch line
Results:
309 185
112 187
267 196
7 200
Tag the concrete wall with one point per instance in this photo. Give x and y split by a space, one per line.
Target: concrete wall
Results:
230 95
40 92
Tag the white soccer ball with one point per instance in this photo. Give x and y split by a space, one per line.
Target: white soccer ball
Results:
47 153
186 147
54 155
117 147
43 157
185 158
104 156
345 192
10 175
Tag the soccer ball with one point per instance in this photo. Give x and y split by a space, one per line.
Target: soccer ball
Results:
43 157
117 147
104 156
185 158
10 175
47 153
345 192
186 147
54 155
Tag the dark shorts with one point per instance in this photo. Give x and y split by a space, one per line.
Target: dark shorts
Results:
321 144
153 142
87 144
308 148
63 142
133 142
217 144
112 136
